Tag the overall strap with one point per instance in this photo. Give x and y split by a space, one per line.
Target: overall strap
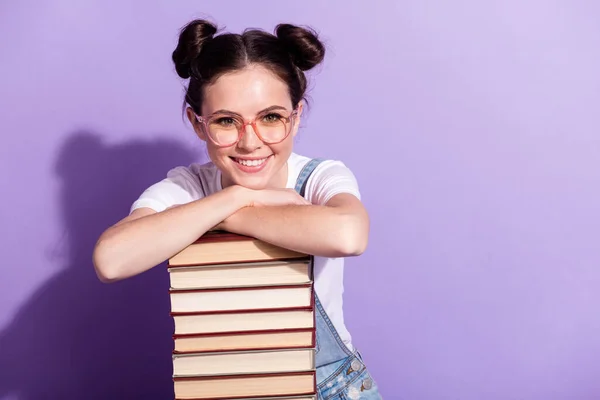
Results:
329 346
305 174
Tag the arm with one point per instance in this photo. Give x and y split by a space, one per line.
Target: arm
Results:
146 238
339 228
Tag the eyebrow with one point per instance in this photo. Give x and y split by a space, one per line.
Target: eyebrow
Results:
271 108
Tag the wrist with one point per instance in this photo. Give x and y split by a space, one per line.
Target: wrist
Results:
241 196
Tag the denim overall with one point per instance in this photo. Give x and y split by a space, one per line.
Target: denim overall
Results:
341 374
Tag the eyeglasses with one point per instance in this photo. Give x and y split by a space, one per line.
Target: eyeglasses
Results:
226 129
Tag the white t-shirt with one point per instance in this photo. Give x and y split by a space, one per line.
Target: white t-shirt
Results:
186 184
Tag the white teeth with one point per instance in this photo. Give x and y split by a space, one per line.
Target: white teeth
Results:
250 163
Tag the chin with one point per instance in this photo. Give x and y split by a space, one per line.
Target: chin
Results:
255 184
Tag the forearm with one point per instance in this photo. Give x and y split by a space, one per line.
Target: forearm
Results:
134 246
312 229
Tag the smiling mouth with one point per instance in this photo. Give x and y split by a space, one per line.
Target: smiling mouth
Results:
256 162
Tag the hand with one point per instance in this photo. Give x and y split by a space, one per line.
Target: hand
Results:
261 198
275 197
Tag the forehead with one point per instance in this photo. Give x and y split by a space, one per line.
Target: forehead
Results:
246 92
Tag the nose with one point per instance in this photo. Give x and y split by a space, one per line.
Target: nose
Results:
250 140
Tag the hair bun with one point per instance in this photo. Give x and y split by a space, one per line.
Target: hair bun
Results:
303 45
192 38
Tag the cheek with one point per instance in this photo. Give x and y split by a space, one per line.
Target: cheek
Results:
285 147
217 154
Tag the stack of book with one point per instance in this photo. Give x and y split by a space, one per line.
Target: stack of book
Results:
244 319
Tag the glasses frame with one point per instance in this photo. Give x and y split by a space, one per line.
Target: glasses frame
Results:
242 129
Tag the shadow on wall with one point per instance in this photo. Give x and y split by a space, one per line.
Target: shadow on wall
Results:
78 338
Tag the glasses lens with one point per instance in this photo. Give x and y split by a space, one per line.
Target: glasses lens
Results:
223 130
273 127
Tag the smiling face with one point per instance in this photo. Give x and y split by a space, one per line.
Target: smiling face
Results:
253 93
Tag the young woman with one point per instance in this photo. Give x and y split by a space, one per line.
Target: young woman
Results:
245 100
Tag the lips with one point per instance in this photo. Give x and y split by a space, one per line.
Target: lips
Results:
251 165
255 162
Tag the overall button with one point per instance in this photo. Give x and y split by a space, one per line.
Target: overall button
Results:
367 384
354 366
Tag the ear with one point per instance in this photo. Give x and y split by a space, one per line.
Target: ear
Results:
297 121
195 123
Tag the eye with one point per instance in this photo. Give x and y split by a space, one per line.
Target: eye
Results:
224 121
272 118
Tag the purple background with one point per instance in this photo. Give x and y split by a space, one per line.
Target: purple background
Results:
473 129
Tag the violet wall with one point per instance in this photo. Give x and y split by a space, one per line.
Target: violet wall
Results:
473 129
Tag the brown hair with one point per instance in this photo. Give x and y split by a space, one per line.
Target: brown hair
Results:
203 57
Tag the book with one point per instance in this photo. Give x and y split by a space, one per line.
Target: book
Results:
241 298
218 247
285 272
244 386
243 362
242 320
250 340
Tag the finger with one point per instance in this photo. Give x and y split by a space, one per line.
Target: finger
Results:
304 200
